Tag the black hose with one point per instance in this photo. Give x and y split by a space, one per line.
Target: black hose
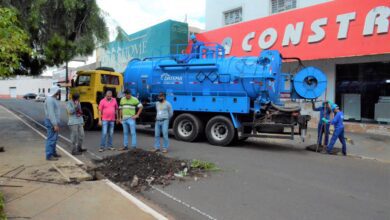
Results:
286 109
293 58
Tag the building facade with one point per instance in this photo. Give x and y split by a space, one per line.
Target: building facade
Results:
159 40
21 85
348 40
220 13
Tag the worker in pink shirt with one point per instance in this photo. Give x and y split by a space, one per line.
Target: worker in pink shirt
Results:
108 112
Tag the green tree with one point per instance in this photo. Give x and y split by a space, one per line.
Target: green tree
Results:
59 30
13 42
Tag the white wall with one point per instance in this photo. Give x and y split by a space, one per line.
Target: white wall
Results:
251 9
24 85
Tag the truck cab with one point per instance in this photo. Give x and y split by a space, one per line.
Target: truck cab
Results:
92 86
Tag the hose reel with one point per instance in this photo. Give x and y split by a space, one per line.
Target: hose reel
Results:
310 83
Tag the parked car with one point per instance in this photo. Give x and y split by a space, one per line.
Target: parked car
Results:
41 97
30 96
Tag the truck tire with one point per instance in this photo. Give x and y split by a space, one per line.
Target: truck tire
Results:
187 127
220 131
89 122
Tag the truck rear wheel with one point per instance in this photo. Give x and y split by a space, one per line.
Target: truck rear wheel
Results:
187 127
89 122
220 131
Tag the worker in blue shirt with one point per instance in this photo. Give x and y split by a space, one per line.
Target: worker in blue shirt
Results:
195 49
338 133
323 128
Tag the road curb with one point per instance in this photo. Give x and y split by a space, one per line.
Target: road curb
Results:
135 201
369 158
124 193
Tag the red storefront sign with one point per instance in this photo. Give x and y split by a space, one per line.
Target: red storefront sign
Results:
339 28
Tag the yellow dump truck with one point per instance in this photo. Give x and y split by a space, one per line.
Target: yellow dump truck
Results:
92 86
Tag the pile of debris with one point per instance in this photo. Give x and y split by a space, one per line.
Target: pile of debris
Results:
138 169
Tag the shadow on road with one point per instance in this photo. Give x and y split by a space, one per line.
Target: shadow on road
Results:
268 146
250 143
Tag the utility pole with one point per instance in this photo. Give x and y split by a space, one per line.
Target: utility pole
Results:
66 80
66 67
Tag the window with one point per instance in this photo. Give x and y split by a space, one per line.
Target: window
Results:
43 90
109 79
39 90
48 90
83 80
363 91
233 16
282 5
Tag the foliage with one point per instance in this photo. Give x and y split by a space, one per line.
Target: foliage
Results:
122 35
13 42
204 165
2 214
59 30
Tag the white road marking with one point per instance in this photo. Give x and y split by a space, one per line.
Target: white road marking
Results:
183 203
136 201
111 184
115 187
61 136
42 135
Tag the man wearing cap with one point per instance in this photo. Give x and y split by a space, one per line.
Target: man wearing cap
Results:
128 117
75 123
195 49
52 121
338 130
323 128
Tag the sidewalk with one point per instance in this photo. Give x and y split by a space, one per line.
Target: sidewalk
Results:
365 146
34 190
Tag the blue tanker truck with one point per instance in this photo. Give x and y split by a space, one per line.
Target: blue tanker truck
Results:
225 99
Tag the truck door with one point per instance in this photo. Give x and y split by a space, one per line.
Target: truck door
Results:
83 87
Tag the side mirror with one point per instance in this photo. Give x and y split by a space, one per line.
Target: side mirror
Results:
72 83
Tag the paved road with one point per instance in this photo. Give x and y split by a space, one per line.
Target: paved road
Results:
261 180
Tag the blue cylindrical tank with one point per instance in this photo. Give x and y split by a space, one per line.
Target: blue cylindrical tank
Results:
256 77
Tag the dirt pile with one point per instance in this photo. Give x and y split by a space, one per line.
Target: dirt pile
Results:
137 169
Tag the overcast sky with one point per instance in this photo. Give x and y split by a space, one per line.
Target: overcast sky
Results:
135 15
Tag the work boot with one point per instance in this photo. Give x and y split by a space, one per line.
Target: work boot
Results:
56 155
52 158
80 149
76 151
